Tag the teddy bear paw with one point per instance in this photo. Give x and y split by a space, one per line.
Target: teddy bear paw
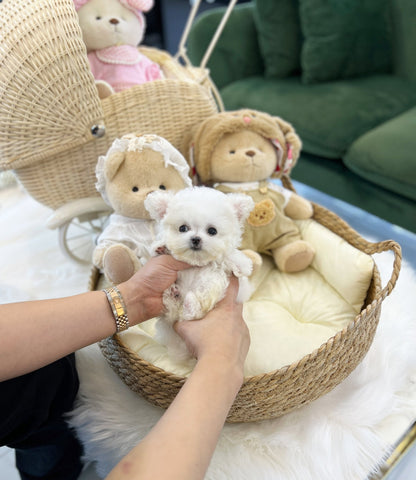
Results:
119 263
294 257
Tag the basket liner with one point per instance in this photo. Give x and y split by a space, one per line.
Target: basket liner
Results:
273 394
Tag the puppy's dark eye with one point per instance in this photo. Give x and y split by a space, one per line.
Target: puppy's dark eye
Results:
135 189
162 187
212 231
183 228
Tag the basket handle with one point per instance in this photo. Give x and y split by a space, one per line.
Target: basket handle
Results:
385 246
182 44
330 220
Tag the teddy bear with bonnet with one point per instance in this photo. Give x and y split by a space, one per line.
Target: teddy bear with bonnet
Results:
241 151
112 30
134 166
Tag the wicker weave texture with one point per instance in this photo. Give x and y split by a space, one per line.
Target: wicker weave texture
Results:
49 102
48 99
276 393
167 108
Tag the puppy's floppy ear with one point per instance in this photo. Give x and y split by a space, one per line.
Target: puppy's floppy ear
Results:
113 164
242 204
156 203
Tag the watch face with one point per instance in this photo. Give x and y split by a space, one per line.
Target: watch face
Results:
118 305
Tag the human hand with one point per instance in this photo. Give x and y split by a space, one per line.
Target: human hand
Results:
222 335
143 292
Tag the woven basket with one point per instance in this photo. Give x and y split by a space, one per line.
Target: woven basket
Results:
49 104
281 391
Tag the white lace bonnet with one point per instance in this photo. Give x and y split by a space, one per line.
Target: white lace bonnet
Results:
136 143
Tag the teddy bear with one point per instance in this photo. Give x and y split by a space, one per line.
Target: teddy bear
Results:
134 166
112 30
241 151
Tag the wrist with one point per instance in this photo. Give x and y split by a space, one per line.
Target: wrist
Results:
118 308
232 373
133 300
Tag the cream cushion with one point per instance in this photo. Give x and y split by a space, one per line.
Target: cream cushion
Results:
289 315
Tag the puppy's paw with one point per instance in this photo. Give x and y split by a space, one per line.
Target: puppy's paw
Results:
243 267
162 250
191 307
255 258
174 291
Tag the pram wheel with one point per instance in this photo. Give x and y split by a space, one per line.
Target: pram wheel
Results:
78 237
80 223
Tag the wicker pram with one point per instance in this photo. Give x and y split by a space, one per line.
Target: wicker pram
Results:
53 127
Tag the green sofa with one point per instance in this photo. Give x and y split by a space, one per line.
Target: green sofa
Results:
344 74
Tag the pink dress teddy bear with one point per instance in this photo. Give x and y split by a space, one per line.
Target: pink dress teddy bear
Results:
111 30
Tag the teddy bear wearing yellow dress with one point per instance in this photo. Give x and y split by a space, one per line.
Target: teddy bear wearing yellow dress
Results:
240 151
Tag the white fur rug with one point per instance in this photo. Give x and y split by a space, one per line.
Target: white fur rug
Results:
341 436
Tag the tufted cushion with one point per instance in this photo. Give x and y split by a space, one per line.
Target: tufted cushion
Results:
279 36
289 315
344 39
328 117
404 42
386 155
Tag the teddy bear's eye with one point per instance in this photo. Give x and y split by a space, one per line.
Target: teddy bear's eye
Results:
232 152
162 187
183 228
98 18
212 231
135 189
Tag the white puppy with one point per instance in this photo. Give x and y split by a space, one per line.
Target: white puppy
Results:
203 227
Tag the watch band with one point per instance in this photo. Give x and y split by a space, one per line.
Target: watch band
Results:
118 307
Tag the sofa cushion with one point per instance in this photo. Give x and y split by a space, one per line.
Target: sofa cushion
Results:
386 155
279 36
327 116
404 38
334 178
344 38
237 52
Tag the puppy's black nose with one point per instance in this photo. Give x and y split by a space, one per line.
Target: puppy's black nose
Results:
114 21
196 243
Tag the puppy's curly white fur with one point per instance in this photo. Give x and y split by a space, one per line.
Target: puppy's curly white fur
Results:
203 227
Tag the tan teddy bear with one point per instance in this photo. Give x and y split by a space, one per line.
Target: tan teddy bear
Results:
240 151
133 167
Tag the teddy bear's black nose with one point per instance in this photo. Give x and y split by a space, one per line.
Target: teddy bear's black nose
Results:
250 153
196 243
114 21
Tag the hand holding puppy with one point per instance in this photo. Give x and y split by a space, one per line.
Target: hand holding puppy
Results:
203 227
222 334
143 293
